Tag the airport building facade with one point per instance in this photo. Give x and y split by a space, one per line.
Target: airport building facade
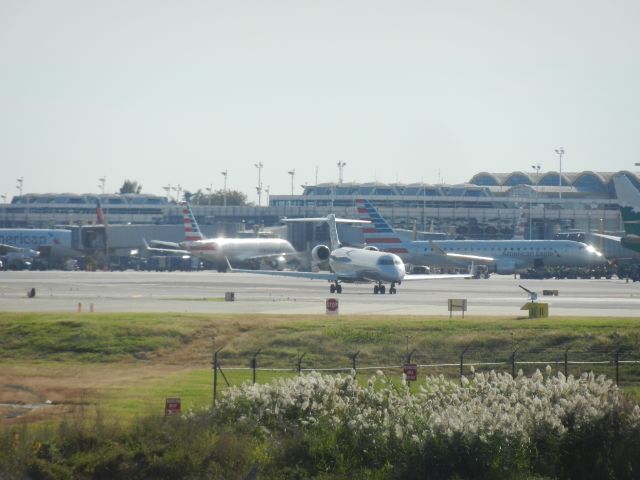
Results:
487 207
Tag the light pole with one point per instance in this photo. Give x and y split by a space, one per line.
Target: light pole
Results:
560 152
259 166
102 181
536 167
267 190
178 191
20 183
224 188
210 190
341 165
292 173
167 188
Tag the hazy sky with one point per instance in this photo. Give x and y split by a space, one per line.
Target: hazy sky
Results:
174 92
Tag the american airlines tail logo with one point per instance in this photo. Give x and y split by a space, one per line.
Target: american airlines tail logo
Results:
380 235
191 229
519 231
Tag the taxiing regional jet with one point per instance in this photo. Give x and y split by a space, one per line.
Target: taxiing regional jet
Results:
352 265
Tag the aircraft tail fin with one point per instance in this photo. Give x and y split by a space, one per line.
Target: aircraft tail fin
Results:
380 234
191 229
518 233
100 218
629 201
333 232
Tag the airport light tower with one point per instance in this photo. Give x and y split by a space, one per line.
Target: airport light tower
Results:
292 173
167 188
20 184
178 191
341 165
536 167
224 188
259 166
102 181
560 152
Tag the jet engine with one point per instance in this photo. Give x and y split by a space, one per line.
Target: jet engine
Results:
276 263
320 253
631 242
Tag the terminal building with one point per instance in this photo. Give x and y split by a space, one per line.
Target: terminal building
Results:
487 207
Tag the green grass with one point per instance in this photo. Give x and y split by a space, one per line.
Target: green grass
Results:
139 359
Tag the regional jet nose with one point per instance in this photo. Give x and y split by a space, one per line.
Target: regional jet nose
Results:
595 256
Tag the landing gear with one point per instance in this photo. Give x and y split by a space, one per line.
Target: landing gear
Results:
335 288
380 288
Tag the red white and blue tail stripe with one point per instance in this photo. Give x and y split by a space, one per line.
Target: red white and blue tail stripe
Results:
100 220
379 234
518 233
191 229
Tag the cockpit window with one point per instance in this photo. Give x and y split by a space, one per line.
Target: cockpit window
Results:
385 261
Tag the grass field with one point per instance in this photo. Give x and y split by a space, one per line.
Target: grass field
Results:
124 365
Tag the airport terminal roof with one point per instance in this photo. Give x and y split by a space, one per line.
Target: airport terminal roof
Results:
485 183
89 199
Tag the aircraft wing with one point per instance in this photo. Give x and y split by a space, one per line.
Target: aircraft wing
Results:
437 276
286 273
461 256
608 237
172 251
271 255
5 248
322 219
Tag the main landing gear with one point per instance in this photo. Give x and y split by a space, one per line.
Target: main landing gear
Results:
380 288
335 288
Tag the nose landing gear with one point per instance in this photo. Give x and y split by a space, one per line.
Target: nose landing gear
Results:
335 288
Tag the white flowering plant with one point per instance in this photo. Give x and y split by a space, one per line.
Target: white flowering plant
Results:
491 422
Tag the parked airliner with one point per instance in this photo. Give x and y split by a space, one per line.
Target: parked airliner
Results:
502 256
247 251
352 265
629 201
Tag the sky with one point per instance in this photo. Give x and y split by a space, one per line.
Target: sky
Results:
175 92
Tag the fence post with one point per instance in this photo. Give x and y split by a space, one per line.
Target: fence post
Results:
215 375
299 367
566 363
354 356
253 365
462 362
513 363
617 360
409 355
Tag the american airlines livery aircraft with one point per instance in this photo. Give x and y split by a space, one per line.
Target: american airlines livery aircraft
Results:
352 265
629 201
247 251
503 256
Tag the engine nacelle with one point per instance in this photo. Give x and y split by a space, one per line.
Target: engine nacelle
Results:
276 263
506 267
320 253
631 242
371 247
